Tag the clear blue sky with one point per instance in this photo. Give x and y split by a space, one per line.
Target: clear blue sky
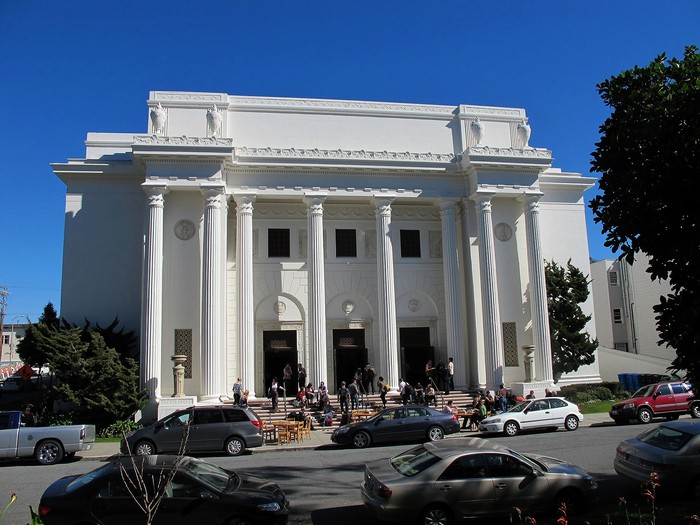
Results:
70 67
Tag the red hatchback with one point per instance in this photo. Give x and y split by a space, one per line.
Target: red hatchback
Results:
668 399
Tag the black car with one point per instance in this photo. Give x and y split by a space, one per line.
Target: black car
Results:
199 492
395 425
221 428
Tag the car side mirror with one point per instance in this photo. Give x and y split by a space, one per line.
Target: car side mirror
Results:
655 396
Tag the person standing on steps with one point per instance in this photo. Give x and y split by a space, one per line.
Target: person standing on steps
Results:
237 389
301 377
274 393
383 389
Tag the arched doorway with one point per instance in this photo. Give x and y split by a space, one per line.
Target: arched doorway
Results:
415 352
280 348
350 353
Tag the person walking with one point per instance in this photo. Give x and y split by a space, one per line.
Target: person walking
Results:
301 377
343 395
286 378
368 376
503 397
451 371
274 393
237 389
383 389
354 395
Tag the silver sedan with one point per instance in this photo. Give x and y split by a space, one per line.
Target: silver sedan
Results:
459 478
672 450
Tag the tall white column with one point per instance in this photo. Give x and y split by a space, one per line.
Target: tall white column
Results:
538 290
244 292
493 333
318 362
453 302
212 358
388 337
152 294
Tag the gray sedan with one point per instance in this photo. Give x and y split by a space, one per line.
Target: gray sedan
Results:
672 450
460 478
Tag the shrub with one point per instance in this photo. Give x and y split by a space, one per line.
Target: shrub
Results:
602 393
118 428
58 419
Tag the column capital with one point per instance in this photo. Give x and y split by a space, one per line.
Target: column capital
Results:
382 205
531 200
314 202
244 199
483 199
447 206
155 193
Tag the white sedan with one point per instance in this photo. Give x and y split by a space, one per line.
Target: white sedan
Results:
551 412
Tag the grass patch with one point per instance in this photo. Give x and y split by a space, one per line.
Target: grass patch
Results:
108 440
596 407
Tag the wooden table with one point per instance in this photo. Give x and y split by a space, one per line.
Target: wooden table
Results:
361 415
285 427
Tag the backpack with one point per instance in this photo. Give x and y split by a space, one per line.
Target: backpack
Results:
343 392
353 389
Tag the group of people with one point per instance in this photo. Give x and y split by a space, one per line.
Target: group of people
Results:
417 394
441 376
240 395
473 415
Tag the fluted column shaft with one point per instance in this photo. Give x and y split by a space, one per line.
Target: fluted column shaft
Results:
318 362
213 365
388 339
493 333
244 290
152 294
453 303
538 290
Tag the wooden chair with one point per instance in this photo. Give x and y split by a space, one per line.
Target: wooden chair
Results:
296 431
307 427
269 432
283 435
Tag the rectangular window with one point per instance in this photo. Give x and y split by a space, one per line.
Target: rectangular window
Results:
622 347
617 316
345 243
613 278
6 339
183 346
278 242
410 243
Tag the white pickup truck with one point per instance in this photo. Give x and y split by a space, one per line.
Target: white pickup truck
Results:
48 445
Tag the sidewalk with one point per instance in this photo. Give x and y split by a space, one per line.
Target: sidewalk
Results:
319 437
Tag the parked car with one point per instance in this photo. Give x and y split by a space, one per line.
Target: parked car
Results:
48 445
394 425
460 478
672 450
199 492
550 412
222 428
669 399
14 384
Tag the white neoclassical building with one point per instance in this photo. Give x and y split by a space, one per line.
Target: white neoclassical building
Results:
251 232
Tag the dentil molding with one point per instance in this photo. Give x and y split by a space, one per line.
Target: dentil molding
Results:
340 154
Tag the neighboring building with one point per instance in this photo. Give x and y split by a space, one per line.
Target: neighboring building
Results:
331 233
624 297
12 334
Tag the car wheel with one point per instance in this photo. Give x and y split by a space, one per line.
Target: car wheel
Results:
144 448
435 515
695 410
361 440
511 428
571 422
571 498
435 434
644 415
235 446
49 452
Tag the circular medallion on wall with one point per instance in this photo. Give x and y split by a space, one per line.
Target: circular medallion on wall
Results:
503 232
348 307
414 305
279 307
184 229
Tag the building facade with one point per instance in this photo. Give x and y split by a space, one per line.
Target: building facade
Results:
624 296
247 233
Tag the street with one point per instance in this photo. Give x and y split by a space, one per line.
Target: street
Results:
323 484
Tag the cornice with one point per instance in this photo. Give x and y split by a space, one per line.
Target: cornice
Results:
333 156
183 141
476 156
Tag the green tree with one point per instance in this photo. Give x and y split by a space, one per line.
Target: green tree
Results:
31 347
572 347
649 160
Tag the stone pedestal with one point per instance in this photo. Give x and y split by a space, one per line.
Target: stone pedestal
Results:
168 405
179 375
523 388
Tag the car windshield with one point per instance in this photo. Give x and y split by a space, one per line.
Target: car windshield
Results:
519 407
413 461
83 480
666 438
645 391
211 475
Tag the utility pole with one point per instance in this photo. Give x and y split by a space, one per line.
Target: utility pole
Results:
3 303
